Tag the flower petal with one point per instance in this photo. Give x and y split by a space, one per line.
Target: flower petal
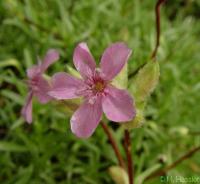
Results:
113 60
51 57
118 105
27 108
86 118
43 88
65 86
33 71
83 60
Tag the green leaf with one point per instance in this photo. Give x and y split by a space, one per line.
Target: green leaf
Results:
121 80
73 72
145 82
13 96
10 62
119 175
24 175
9 146
143 85
140 178
68 106
137 122
17 123
27 58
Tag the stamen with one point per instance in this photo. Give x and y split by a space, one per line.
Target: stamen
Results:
99 86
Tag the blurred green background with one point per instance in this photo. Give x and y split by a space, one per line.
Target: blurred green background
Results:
47 151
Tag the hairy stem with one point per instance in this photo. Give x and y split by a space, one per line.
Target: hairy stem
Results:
163 171
113 144
132 74
127 146
157 12
154 52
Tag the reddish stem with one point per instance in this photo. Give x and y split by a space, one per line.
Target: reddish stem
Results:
127 146
157 12
113 144
163 171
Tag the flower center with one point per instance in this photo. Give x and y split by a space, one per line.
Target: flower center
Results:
32 84
99 86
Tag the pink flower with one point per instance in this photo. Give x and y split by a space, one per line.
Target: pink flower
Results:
96 88
38 86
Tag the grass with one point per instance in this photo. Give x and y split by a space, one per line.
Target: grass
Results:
47 151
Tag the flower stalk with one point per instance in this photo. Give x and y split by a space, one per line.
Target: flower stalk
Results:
157 12
113 144
163 171
127 146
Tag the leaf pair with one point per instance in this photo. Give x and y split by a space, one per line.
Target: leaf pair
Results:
141 88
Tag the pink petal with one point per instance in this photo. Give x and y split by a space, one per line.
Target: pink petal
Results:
27 108
42 91
113 60
86 118
118 105
33 71
65 86
51 57
83 60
